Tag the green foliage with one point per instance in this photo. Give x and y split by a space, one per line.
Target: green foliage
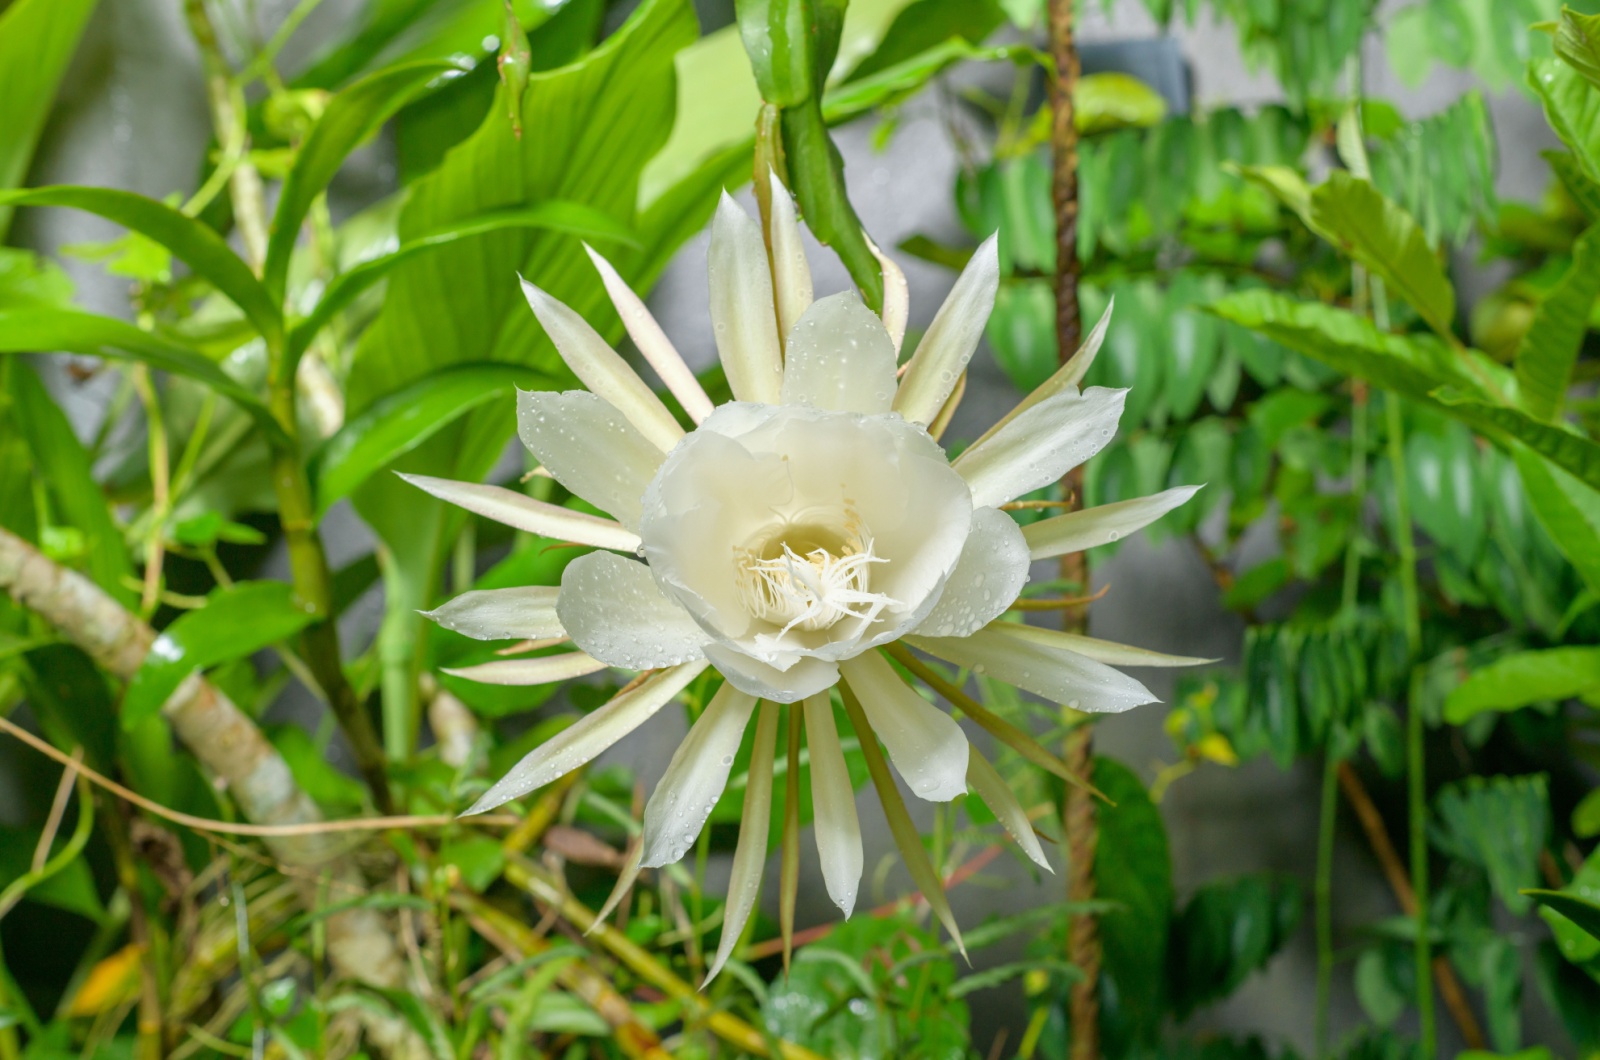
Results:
37 39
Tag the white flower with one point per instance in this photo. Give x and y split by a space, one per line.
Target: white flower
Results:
792 533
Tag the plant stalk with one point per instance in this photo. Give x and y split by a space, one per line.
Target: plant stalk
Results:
1078 808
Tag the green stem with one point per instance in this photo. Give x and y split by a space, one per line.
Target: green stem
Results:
1328 817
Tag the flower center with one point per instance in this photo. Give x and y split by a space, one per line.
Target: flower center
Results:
810 579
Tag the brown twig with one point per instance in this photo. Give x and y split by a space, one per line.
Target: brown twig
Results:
1394 870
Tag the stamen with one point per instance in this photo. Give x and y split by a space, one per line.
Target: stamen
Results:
813 590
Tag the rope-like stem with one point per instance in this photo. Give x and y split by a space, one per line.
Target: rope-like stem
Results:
1078 809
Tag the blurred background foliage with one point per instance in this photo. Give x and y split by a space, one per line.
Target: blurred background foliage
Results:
1423 629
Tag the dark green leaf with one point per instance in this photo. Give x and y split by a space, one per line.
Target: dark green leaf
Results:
1499 824
1550 346
1561 447
1226 931
350 118
234 623
38 330
72 889
1524 678
1583 912
1132 867
65 466
189 240
37 39
404 420
1380 235
816 173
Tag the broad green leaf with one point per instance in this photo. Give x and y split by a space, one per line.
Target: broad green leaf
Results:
190 241
400 422
1572 107
555 216
39 330
1549 348
1578 42
1563 448
479 859
1388 242
351 117
1518 680
1106 101
235 622
29 279
1499 824
791 44
1582 187
71 889
926 25
1575 934
65 465
1133 867
1583 912
1226 931
1568 509
37 39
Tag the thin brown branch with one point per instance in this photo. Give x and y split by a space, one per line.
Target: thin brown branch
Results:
1394 870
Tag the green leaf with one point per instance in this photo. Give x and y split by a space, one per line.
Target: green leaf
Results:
926 25
1572 107
1499 824
351 117
1578 42
29 279
569 218
404 420
1524 678
65 466
37 39
1106 101
1586 816
190 241
1583 912
791 44
72 889
816 174
41 330
1549 348
1562 448
479 859
1568 509
1376 232
1227 930
1132 867
235 622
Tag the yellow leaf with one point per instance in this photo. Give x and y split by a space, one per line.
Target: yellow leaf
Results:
111 983
1216 748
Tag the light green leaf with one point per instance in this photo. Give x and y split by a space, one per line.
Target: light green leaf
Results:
569 218
1578 42
37 39
404 420
235 622
1572 107
1582 187
1107 101
1523 678
1499 824
351 117
1549 348
42 330
1380 235
190 241
1568 509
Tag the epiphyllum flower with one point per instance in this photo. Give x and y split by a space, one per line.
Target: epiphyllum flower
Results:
794 532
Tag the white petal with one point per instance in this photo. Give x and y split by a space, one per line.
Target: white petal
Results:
944 351
750 855
590 448
1056 673
585 738
525 612
1041 444
652 341
1066 377
992 570
625 880
521 512
896 297
1076 531
806 677
606 375
927 747
839 357
695 777
991 787
742 314
789 266
834 799
1101 651
612 608
542 670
